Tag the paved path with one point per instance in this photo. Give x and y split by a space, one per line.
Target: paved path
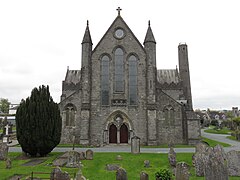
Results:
127 148
235 145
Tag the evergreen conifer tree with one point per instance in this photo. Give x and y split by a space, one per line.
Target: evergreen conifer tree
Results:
38 123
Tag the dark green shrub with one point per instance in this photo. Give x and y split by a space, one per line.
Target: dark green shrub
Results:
38 123
214 122
163 174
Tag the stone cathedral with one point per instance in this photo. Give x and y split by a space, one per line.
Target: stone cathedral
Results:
119 93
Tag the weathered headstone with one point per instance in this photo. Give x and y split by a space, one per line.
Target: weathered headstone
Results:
233 159
216 164
144 176
172 157
79 175
146 163
82 155
193 160
112 167
73 159
199 158
135 145
62 160
3 151
182 171
89 154
119 157
8 163
58 174
201 147
121 174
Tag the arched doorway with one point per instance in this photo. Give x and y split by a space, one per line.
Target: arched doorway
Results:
112 134
124 134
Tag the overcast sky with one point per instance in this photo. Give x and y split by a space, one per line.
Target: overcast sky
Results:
39 39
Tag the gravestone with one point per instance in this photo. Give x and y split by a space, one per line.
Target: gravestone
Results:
8 163
172 157
182 171
201 147
233 159
73 159
89 154
112 167
193 160
62 160
58 174
135 145
199 158
82 155
144 176
119 157
121 174
79 175
216 165
3 151
146 163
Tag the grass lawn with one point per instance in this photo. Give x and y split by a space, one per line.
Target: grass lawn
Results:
95 169
17 169
213 143
218 131
232 138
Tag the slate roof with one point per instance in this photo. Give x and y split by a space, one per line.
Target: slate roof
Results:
168 76
149 36
73 76
87 36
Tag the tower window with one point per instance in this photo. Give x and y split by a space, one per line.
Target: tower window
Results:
132 61
105 80
119 71
70 112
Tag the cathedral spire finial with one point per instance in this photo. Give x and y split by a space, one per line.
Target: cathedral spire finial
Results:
149 23
118 9
87 22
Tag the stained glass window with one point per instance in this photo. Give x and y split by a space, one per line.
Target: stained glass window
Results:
132 61
119 71
105 80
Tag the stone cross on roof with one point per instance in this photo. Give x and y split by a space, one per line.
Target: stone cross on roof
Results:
119 9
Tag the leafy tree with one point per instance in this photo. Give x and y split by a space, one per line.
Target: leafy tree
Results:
237 121
4 105
38 123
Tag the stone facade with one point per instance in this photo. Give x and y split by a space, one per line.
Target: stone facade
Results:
118 93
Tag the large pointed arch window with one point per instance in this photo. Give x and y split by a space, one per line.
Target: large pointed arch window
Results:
105 80
119 71
132 61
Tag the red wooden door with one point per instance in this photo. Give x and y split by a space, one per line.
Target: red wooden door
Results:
123 134
112 134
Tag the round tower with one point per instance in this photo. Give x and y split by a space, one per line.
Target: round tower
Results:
184 73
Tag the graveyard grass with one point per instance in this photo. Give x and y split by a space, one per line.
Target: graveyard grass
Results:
95 169
212 129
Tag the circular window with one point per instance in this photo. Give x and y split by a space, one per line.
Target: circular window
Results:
119 33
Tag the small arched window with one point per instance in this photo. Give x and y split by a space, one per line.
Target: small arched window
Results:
169 115
119 71
70 111
132 61
105 80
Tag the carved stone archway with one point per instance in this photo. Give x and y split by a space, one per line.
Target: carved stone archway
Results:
117 121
